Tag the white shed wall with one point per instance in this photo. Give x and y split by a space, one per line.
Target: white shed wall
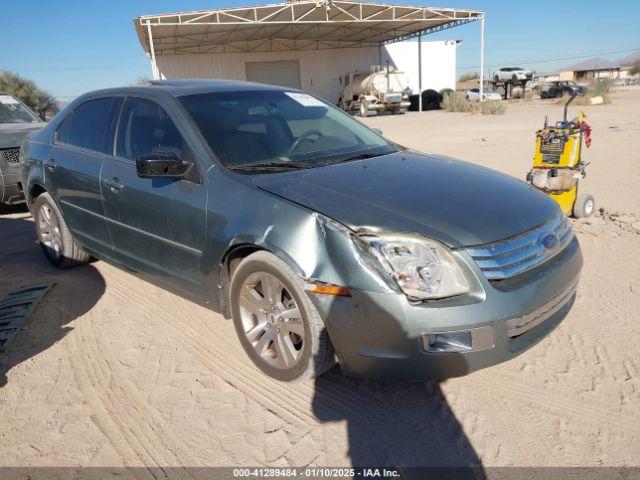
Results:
320 70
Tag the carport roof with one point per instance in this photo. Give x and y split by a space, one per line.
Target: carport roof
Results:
299 25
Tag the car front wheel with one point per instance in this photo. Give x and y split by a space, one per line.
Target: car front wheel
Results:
54 236
278 326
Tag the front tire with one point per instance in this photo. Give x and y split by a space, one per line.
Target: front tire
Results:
278 326
54 236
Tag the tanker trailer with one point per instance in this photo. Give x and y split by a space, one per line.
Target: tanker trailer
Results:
384 89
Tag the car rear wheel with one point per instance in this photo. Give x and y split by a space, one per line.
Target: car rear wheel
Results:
278 326
54 236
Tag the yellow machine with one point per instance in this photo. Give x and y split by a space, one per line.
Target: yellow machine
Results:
557 163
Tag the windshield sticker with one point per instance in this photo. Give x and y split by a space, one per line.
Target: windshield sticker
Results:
305 99
8 100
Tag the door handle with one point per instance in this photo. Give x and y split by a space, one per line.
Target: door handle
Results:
114 184
50 164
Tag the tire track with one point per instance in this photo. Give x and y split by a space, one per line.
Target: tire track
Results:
136 431
560 402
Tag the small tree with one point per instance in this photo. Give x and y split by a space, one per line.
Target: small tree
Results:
40 101
466 77
141 80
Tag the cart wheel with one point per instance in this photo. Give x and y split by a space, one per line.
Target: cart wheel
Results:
584 206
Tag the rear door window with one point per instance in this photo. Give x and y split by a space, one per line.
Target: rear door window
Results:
89 126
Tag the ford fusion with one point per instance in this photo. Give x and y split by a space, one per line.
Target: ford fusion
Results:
322 240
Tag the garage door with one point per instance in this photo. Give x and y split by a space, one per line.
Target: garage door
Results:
284 73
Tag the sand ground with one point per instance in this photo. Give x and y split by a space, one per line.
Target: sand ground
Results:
112 371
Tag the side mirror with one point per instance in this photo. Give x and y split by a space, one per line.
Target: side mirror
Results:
377 130
161 165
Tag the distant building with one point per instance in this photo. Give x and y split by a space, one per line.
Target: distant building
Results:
591 75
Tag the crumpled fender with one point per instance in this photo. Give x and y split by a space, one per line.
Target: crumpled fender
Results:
316 247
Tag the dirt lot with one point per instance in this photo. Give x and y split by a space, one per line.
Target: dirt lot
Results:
112 371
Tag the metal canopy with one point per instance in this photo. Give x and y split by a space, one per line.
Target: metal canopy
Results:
302 25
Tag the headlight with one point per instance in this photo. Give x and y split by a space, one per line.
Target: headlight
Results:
423 269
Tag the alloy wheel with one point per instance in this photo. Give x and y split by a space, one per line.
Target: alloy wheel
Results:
272 321
49 231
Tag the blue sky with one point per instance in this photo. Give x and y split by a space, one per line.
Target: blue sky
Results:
72 46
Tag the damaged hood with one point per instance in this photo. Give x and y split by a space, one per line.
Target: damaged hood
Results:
12 134
455 202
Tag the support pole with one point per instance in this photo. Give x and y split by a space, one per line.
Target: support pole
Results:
420 72
481 56
154 66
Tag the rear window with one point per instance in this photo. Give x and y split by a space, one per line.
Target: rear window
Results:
88 126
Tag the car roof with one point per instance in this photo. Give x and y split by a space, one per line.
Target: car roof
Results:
178 88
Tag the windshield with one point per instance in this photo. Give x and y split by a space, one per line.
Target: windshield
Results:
12 111
276 130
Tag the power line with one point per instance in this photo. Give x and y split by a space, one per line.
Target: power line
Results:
549 60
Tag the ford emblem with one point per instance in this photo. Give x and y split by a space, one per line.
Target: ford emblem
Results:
548 241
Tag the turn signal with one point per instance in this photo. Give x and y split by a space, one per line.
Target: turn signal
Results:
330 289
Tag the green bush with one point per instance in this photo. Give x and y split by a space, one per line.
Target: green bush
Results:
455 102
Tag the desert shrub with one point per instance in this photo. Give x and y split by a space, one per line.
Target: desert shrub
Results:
455 102
493 107
466 77
600 88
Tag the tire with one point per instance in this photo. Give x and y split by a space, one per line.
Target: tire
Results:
514 79
496 78
254 317
364 111
584 206
54 236
431 100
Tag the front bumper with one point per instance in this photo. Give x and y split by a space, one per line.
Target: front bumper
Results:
380 335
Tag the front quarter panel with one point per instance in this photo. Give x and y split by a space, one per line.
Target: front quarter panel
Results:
317 248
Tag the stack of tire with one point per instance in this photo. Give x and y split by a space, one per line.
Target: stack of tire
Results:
431 100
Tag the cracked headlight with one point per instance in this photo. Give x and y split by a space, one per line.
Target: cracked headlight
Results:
424 269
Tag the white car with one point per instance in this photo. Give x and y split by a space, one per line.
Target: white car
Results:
473 95
512 74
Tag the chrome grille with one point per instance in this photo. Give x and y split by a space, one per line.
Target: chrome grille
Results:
11 155
511 257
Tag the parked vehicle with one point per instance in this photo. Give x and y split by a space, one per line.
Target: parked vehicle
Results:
16 121
383 90
473 95
558 89
512 74
318 237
